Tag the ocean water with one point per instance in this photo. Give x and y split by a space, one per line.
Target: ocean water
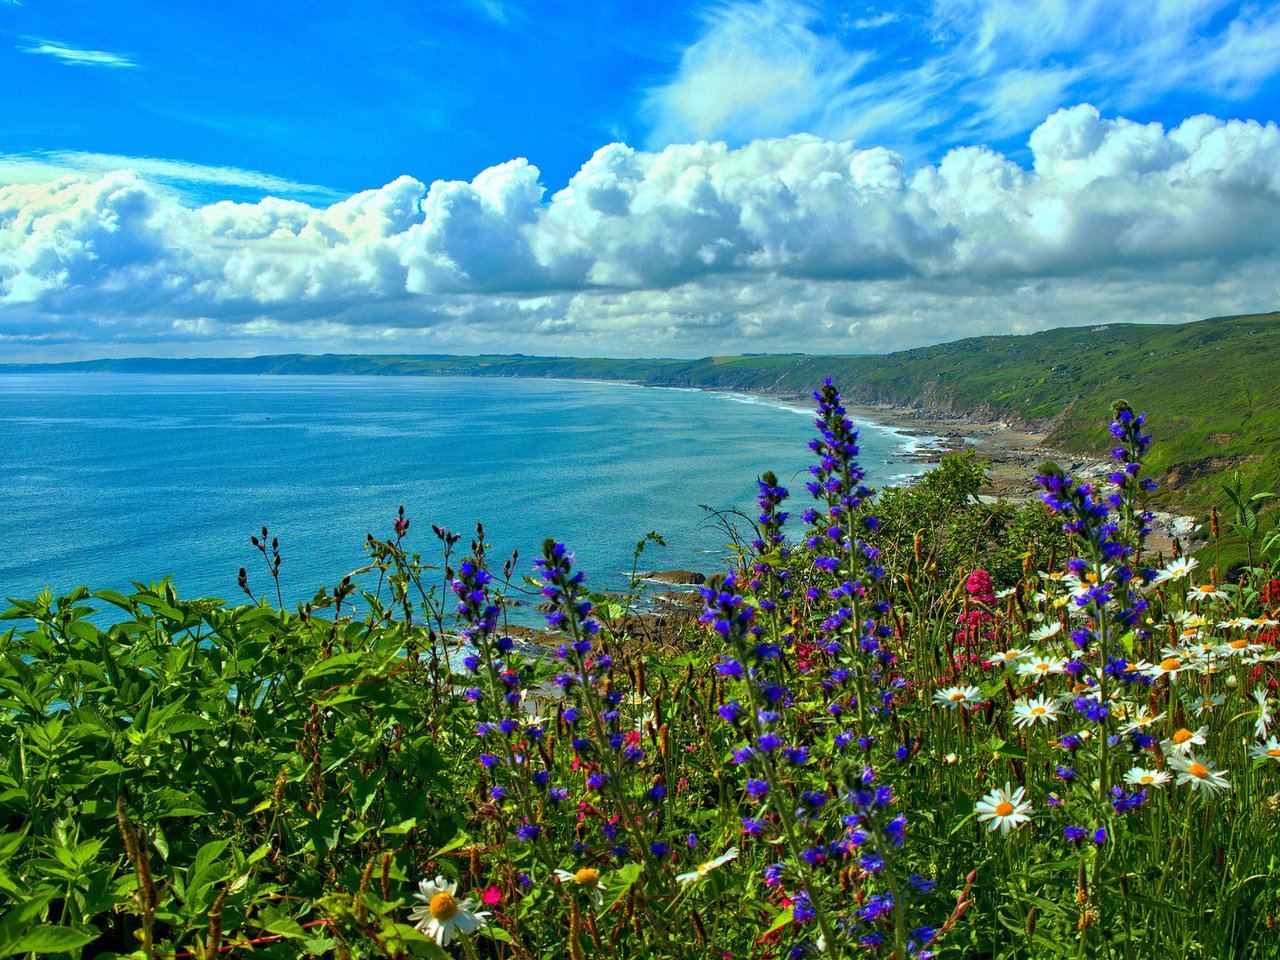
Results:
110 479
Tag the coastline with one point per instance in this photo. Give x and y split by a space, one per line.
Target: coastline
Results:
1013 455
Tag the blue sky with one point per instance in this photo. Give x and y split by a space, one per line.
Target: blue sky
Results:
505 174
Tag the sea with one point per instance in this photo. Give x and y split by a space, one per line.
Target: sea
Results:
111 479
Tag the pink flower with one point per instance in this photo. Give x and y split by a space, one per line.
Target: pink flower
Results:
491 895
980 587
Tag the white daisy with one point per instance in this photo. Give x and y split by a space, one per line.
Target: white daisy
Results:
1267 750
684 879
1264 713
1039 666
1140 719
1034 710
1202 705
441 916
953 697
1043 633
1184 741
1009 656
1004 810
1169 667
1142 777
586 880
1205 591
1238 647
1176 570
1197 772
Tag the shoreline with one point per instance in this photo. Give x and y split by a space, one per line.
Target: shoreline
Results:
1013 455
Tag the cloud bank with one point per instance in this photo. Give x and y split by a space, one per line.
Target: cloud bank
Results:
792 243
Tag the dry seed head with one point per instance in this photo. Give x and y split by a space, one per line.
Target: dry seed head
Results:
575 931
367 875
699 930
214 942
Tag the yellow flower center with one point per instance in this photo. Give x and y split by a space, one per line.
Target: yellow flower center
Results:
1239 644
957 695
587 877
1182 736
1274 752
1198 770
1042 666
705 868
1146 778
443 906
1004 808
1170 663
1038 711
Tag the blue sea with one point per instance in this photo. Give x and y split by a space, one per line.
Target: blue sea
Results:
116 478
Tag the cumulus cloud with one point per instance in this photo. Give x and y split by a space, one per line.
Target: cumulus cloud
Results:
788 243
952 71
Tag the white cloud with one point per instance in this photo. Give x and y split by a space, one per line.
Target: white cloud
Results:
46 165
789 243
958 71
76 56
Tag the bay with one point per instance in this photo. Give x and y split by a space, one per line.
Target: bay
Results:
116 478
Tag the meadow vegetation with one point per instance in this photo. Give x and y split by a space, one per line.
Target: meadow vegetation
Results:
908 724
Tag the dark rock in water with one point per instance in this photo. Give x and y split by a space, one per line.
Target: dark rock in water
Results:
678 577
686 601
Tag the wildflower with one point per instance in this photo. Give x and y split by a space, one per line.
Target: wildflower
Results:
442 916
1177 570
1264 715
1198 773
1038 666
1206 591
953 697
1169 667
1202 705
1184 741
1010 656
1140 719
1268 750
1005 809
684 879
588 881
1142 777
1239 647
1043 633
1036 709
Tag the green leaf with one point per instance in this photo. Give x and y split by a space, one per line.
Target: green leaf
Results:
279 923
619 882
48 938
785 916
460 840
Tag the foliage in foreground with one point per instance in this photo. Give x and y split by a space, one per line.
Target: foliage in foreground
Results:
875 752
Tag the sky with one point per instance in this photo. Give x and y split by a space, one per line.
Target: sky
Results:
622 179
